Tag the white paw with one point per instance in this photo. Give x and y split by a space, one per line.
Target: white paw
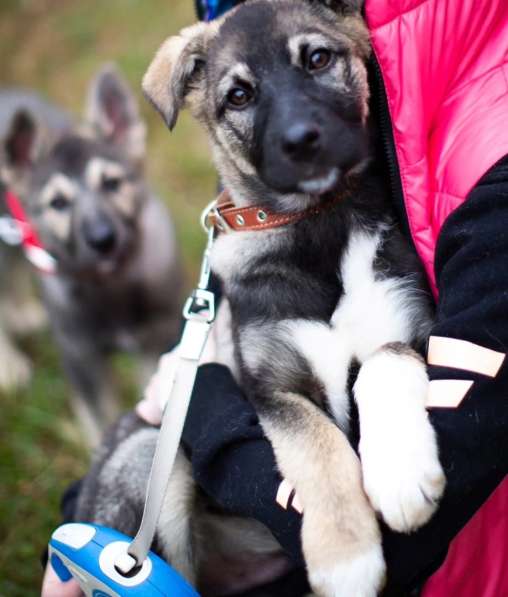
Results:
405 484
361 576
402 475
15 369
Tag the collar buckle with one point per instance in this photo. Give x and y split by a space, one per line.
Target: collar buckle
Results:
212 218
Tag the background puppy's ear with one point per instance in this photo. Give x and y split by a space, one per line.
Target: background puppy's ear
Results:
113 112
22 146
176 71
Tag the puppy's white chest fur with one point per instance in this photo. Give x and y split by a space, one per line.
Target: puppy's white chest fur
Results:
371 312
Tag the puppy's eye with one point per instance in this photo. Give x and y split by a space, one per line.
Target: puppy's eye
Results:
111 184
239 97
59 202
319 59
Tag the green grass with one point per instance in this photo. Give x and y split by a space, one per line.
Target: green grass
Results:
55 47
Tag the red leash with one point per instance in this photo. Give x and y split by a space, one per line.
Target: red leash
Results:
32 246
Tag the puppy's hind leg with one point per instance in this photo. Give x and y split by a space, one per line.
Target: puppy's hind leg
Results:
113 492
20 309
340 535
15 368
176 527
94 400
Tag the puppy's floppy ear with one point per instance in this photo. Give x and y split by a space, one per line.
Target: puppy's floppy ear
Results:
343 6
113 112
23 144
176 71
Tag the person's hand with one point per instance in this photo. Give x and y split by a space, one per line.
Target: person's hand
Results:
52 586
218 349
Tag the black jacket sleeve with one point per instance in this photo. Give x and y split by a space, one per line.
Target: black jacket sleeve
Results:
472 275
232 460
235 465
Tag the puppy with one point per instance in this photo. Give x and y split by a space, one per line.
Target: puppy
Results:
117 279
319 280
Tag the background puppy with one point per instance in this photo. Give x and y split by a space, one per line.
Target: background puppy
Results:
118 276
287 115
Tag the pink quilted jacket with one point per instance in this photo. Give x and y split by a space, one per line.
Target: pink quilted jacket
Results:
445 69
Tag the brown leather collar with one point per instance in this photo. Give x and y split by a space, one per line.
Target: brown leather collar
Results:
225 216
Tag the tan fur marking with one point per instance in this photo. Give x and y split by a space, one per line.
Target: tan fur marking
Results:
313 40
240 72
58 184
58 222
125 200
318 461
97 168
175 520
171 63
15 368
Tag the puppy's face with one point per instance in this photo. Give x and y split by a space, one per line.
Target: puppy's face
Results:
84 192
84 198
281 87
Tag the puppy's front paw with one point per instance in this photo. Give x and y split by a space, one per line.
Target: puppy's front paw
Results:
15 368
23 317
342 545
359 576
404 482
401 471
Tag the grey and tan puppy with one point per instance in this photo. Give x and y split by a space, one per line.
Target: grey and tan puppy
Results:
118 278
281 88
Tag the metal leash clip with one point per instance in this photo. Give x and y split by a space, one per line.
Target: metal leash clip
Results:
212 219
199 310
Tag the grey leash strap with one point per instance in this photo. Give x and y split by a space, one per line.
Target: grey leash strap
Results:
199 312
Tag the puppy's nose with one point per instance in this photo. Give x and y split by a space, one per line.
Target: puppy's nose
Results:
301 140
99 234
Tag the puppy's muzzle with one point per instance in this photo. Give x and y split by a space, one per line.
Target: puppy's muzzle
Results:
99 234
301 141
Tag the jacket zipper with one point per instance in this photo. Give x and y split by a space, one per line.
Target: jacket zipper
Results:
389 153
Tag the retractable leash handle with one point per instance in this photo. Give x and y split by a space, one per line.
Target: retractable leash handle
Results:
104 562
87 553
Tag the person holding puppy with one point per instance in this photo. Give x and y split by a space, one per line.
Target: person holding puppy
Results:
439 79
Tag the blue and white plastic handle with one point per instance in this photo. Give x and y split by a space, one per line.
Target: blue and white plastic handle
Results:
88 553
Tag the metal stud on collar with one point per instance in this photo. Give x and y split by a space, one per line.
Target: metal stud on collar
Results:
240 220
262 215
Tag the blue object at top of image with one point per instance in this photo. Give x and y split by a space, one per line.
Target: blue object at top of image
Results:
211 9
88 553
